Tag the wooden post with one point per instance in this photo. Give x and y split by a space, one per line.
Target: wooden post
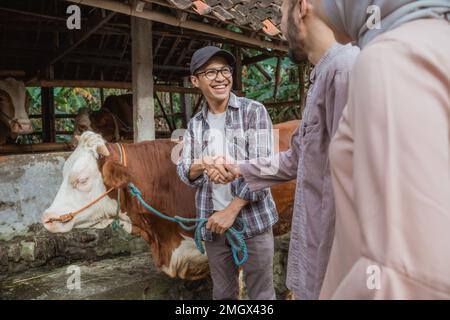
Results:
238 72
48 115
48 109
277 79
142 74
186 104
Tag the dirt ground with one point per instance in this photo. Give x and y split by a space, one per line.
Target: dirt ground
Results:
132 277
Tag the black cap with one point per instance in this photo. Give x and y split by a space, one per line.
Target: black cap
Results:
201 56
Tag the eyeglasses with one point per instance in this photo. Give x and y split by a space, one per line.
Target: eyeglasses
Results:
211 74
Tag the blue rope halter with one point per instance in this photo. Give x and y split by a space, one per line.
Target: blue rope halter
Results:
198 223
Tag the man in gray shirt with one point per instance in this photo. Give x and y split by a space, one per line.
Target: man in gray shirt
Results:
307 159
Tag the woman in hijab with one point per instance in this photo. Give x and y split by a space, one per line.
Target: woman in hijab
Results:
390 157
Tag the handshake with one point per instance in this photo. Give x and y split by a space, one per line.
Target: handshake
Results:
220 170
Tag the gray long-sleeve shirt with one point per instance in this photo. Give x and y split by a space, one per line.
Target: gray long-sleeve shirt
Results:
307 161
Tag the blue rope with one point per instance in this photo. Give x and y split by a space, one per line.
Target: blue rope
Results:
190 224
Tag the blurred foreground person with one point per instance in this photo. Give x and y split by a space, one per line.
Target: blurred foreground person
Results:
390 157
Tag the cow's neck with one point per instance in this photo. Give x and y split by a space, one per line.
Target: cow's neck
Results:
155 175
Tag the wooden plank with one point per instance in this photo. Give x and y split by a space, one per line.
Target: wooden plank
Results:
142 74
106 84
32 148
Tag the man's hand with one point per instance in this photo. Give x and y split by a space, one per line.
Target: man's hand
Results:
219 171
221 221
207 165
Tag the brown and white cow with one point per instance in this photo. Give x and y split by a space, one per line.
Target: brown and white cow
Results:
13 112
95 167
114 120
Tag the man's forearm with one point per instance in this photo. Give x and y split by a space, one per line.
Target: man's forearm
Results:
237 204
196 170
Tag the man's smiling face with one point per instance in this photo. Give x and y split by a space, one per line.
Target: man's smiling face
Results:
217 89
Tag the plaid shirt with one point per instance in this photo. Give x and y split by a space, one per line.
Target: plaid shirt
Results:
248 136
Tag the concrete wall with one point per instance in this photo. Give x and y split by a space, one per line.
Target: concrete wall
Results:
28 184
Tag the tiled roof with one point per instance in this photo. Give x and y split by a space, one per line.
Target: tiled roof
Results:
260 15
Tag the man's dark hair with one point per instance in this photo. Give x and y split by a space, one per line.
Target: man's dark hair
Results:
292 10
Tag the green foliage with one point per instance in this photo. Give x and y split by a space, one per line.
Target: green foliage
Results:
67 101
258 87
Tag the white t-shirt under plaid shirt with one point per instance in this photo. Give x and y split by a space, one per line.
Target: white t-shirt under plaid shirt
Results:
221 193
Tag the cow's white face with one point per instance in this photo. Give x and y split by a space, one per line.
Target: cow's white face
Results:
83 183
14 106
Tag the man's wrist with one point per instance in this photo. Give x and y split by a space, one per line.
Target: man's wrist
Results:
236 205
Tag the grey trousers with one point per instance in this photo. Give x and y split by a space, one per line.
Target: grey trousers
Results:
258 270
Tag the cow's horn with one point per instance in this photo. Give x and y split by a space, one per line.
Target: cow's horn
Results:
103 150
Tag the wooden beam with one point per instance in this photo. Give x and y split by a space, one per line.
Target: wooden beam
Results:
263 71
171 51
163 111
12 73
193 25
32 148
277 79
252 60
158 45
62 53
248 61
184 52
282 104
106 84
142 74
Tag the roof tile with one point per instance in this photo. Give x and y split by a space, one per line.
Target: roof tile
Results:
260 15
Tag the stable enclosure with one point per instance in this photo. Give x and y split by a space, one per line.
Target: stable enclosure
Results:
122 46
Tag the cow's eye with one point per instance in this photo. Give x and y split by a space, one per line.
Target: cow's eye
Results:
82 181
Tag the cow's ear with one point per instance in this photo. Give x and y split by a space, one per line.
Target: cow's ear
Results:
102 150
115 175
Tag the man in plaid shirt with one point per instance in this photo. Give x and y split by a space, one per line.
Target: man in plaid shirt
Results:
240 129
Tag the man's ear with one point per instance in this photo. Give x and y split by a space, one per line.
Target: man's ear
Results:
194 81
303 7
115 175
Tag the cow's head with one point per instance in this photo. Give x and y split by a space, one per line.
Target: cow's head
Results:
82 183
82 124
13 104
101 122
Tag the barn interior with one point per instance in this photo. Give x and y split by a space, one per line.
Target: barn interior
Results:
38 47
139 46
